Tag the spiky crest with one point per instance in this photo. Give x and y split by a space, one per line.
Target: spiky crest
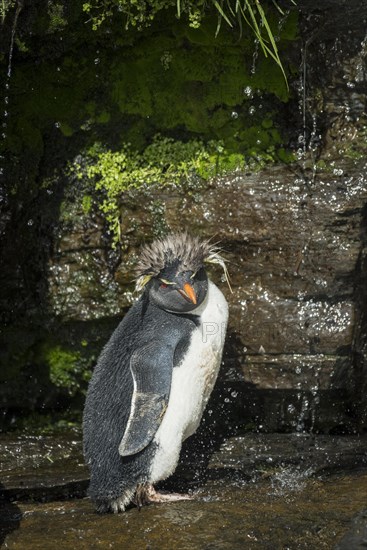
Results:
191 252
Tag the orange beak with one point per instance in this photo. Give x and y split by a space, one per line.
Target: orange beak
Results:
189 293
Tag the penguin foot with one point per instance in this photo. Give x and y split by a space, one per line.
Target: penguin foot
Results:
169 497
146 494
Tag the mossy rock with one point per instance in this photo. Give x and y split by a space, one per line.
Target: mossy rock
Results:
168 78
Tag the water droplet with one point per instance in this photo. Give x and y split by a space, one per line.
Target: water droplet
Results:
248 91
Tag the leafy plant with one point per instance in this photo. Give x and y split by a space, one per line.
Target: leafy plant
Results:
254 15
140 13
164 162
56 14
5 6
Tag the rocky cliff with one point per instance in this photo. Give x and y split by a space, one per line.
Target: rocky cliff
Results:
294 236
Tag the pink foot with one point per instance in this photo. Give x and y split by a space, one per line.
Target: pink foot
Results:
169 497
146 494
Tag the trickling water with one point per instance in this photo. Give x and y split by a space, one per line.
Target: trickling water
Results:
18 9
290 479
255 56
302 417
309 137
303 77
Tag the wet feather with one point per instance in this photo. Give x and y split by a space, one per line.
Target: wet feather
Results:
189 251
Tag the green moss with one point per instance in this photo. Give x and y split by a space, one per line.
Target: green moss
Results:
103 117
256 18
66 129
355 154
179 81
322 166
357 149
21 45
285 156
165 162
87 203
202 89
67 367
56 14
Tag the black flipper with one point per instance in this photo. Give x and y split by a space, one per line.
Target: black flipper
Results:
151 367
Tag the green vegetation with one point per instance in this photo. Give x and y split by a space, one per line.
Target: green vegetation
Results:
56 13
68 368
41 423
166 102
165 162
5 6
180 81
184 79
140 13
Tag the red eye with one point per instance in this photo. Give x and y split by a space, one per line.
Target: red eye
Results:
163 285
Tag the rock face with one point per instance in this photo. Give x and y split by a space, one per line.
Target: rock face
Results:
295 240
293 249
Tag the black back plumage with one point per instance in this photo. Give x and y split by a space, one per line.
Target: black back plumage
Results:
108 401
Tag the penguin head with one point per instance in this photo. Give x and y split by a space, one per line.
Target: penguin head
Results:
172 270
179 290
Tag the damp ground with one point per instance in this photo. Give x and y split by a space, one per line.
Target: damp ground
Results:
265 491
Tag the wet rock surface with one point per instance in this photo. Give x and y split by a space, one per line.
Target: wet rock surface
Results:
42 467
295 252
294 236
224 516
258 491
293 248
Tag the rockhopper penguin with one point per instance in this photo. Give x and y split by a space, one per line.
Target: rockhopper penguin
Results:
154 377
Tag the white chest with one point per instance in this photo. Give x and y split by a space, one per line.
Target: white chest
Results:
192 383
